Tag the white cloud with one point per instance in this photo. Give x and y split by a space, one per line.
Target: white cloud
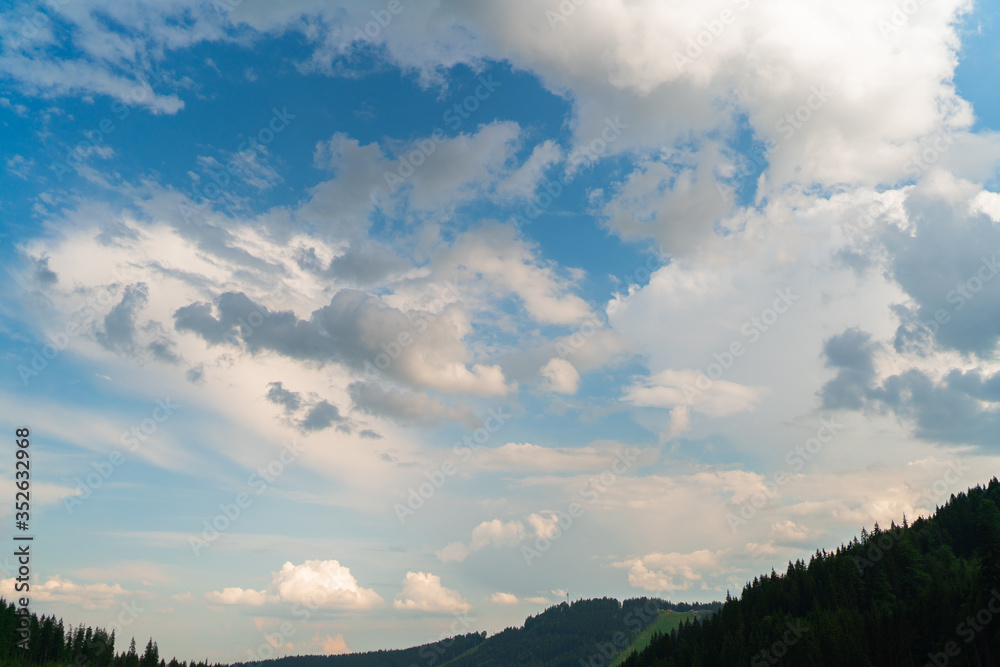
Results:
504 599
317 583
60 592
789 532
331 645
688 388
424 592
494 257
526 457
497 534
544 526
324 583
453 552
680 421
671 571
238 596
560 376
494 533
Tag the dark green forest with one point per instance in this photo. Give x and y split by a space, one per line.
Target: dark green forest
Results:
53 643
912 595
926 593
561 636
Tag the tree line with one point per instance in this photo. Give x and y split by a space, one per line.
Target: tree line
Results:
910 596
52 643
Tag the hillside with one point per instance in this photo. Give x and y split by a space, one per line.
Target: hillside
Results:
562 635
926 593
665 623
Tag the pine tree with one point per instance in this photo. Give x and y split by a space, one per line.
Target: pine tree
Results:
151 656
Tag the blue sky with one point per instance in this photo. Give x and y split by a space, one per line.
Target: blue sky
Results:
498 302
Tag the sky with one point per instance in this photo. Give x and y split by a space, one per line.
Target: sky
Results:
348 326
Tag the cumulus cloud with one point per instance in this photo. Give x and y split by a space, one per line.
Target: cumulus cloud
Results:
59 591
946 259
695 391
324 583
495 255
351 330
671 571
366 263
495 533
238 596
120 324
560 376
545 524
790 532
321 415
289 400
504 599
406 407
319 583
331 645
423 591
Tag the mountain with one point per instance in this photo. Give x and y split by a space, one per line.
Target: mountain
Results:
561 636
920 594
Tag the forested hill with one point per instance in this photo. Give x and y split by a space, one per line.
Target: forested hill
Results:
561 636
912 595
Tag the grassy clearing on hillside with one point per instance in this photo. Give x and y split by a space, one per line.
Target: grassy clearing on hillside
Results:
666 622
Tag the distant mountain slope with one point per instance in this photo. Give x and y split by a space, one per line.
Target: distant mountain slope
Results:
920 594
426 654
594 631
